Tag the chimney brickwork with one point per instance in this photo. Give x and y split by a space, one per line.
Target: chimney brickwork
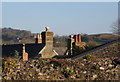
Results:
47 40
38 39
24 54
75 41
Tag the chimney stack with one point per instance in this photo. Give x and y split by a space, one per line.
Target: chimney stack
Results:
24 54
47 37
38 39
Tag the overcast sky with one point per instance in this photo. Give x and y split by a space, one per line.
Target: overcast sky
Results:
63 18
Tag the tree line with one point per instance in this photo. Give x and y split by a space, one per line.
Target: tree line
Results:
12 36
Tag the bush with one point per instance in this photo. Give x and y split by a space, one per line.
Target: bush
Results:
16 55
78 50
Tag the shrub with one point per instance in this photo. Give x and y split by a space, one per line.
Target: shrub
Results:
16 55
78 50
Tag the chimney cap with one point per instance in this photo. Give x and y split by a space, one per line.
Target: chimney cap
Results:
71 36
47 28
23 44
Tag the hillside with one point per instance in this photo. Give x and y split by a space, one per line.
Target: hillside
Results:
98 39
103 37
12 36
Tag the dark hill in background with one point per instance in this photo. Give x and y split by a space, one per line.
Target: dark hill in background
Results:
12 36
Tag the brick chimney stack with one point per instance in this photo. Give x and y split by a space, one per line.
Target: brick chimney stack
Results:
47 37
24 54
38 39
77 38
47 40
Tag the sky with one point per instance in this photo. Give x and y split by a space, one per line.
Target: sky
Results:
63 18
